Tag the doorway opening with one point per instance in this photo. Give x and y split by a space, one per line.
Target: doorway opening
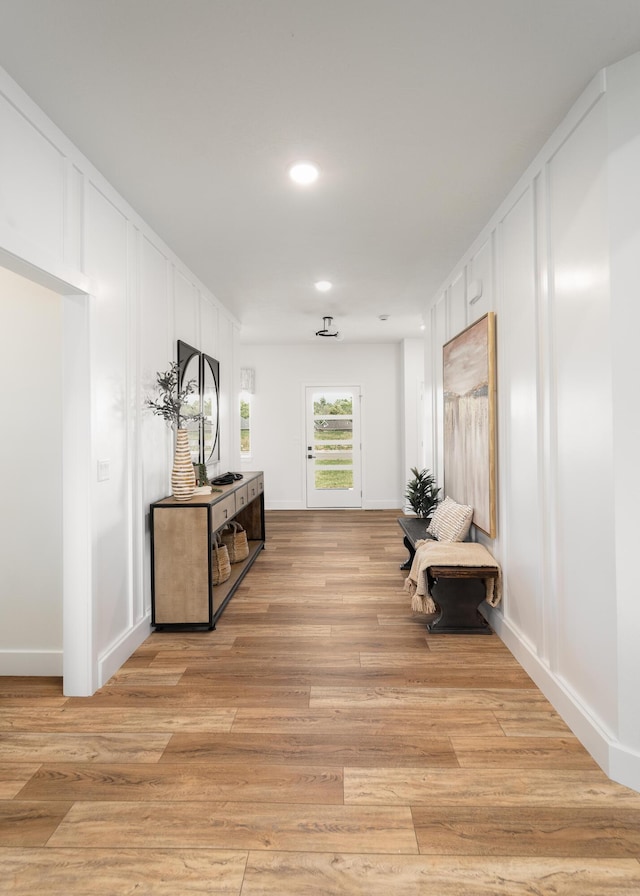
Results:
60 437
333 447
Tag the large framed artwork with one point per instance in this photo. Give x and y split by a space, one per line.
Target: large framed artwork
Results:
469 384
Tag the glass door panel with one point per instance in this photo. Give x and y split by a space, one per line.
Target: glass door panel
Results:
333 447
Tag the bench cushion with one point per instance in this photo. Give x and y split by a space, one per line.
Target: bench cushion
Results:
451 521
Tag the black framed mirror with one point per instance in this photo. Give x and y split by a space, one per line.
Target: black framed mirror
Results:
204 436
210 409
189 366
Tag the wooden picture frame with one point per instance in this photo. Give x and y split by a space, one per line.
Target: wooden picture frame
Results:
469 426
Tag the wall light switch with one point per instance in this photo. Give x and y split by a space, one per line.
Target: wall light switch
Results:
104 470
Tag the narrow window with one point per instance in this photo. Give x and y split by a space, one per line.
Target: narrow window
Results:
245 424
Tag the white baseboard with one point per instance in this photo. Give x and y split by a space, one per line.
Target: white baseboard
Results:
375 504
382 504
117 654
40 663
620 763
284 505
624 767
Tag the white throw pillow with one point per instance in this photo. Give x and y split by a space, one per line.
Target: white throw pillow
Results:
451 521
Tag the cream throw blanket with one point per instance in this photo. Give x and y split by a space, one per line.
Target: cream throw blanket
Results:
453 553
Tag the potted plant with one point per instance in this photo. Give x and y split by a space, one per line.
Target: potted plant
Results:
171 402
422 493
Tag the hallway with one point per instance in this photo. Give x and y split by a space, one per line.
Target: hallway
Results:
319 742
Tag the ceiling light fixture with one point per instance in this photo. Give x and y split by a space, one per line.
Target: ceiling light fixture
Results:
304 173
323 285
328 329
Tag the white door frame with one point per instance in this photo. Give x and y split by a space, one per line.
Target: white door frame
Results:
355 497
79 671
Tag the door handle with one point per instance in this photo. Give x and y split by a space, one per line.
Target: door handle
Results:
310 456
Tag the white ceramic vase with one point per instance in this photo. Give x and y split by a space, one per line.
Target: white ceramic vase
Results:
183 477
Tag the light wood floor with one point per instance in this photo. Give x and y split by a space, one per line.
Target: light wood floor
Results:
319 742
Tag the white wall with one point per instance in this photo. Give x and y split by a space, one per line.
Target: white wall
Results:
127 300
623 194
31 478
277 416
558 264
413 411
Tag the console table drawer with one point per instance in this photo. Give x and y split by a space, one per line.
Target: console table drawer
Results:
223 511
242 497
256 487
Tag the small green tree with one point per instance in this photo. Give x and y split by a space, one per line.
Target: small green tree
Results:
201 474
173 398
422 493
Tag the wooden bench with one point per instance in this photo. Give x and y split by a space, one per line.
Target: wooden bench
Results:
457 591
415 529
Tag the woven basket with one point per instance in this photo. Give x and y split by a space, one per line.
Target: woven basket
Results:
235 539
220 564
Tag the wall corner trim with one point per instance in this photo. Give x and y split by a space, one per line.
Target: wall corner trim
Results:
120 651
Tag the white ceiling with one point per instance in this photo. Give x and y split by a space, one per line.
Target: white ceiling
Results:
421 114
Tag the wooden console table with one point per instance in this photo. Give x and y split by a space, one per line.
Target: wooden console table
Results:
183 595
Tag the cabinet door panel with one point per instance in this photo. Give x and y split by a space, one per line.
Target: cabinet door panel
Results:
181 554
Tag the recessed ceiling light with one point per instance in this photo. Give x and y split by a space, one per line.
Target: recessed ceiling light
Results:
304 173
323 285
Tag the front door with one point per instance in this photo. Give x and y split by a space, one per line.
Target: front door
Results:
333 446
